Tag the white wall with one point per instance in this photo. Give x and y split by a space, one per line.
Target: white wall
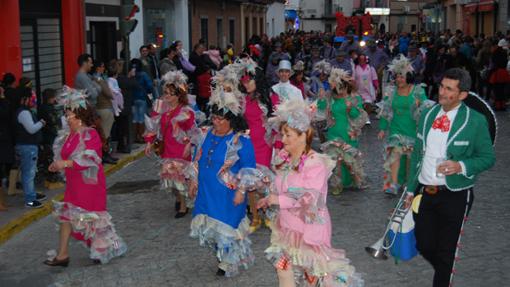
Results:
181 23
275 19
316 8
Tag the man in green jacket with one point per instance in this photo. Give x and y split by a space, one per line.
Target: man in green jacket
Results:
453 146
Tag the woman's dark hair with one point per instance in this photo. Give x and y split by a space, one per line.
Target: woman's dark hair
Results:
262 91
48 94
97 64
25 82
237 123
113 68
410 78
86 115
136 64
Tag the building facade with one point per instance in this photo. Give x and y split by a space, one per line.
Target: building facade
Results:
42 40
408 16
319 15
275 20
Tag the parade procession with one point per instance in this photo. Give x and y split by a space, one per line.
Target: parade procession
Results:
342 150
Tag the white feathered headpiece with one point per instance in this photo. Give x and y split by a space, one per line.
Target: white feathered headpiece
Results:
400 65
297 114
228 76
247 66
72 99
176 78
323 67
228 101
338 76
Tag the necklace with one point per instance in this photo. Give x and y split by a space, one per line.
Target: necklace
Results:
215 142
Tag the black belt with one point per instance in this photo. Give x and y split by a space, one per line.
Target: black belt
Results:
433 189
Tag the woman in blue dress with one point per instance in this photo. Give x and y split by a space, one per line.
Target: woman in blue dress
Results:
226 154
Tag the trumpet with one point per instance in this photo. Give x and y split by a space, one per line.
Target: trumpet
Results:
379 248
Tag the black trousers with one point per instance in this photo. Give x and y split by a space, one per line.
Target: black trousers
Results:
437 228
123 131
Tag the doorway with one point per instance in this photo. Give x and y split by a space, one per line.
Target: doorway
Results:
103 41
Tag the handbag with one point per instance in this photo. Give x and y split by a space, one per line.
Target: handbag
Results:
159 144
404 242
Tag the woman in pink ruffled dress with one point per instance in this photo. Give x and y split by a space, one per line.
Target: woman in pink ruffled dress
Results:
170 125
301 230
258 108
82 213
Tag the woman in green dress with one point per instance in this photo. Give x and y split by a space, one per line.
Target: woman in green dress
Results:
399 113
345 115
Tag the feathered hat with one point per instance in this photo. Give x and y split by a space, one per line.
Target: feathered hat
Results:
339 77
231 100
72 99
297 114
228 76
178 79
227 101
299 66
322 67
400 65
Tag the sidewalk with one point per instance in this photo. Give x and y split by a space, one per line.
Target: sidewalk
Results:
18 217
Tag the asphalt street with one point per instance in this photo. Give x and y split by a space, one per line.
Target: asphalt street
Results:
161 253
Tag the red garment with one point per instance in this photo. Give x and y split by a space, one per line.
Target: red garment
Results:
91 197
254 116
442 123
204 85
173 148
500 76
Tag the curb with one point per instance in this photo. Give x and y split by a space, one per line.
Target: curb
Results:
17 225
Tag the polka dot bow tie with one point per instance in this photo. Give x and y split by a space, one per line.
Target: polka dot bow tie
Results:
442 123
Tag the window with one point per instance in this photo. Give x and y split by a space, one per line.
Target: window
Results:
231 30
328 8
204 30
246 29
328 27
219 33
261 26
254 26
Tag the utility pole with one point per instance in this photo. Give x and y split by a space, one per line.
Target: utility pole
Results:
127 25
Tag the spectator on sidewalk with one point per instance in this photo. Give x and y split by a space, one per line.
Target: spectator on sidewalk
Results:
27 137
128 85
170 62
6 146
202 75
104 109
9 85
49 112
140 98
83 81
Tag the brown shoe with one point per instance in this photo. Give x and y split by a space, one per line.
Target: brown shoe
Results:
56 262
3 207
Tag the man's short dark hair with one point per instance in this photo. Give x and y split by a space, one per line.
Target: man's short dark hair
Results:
83 58
143 47
460 75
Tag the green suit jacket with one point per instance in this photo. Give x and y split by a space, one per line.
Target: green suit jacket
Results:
468 142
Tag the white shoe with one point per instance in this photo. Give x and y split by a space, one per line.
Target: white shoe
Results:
368 122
